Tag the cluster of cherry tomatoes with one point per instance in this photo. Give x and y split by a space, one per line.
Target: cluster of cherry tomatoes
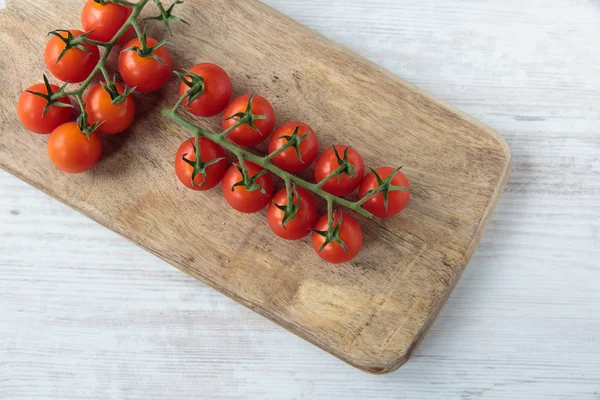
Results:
73 56
250 188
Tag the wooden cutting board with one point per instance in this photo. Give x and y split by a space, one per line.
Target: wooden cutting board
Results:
371 312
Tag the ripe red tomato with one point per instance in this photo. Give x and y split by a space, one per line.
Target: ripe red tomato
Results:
71 151
105 21
145 73
209 151
244 135
240 198
397 199
31 109
75 65
288 159
305 219
217 91
115 118
328 162
350 233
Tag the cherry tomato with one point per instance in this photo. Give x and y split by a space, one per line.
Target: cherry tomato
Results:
350 233
288 159
145 73
115 118
397 199
328 162
209 151
71 151
76 65
217 91
240 198
105 21
244 135
305 219
31 110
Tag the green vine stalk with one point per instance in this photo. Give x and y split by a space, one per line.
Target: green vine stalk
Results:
265 161
165 16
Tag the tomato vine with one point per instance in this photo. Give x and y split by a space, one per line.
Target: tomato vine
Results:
166 16
291 181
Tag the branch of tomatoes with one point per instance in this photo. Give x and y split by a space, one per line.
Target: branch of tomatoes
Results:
247 185
73 56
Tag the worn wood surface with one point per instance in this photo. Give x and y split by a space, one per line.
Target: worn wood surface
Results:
371 312
85 315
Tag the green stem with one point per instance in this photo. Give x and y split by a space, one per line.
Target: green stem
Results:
330 176
329 214
141 36
238 123
264 162
105 74
279 151
122 2
94 42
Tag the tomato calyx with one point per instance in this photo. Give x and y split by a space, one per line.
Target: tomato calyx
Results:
71 42
83 124
111 89
290 210
249 182
195 83
247 118
48 96
384 187
166 16
345 168
332 234
199 167
294 140
146 51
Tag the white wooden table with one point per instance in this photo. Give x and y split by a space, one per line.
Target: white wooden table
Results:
524 322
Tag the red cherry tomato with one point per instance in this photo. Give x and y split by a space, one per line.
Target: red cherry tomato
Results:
240 198
115 118
350 233
145 73
305 219
105 21
397 199
71 151
288 159
328 162
217 91
209 151
244 135
31 109
75 65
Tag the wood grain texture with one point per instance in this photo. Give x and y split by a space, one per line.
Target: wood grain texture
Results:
106 320
372 312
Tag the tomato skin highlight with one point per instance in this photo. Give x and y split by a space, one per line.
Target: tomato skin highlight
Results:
397 200
288 159
71 151
241 199
350 233
105 21
327 163
209 151
217 91
115 118
305 219
76 65
145 73
244 135
30 109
